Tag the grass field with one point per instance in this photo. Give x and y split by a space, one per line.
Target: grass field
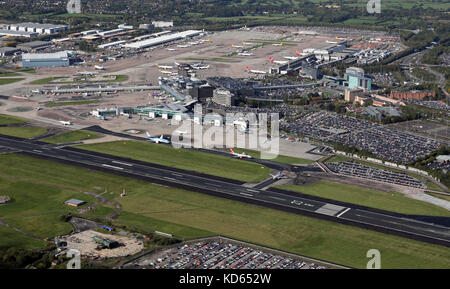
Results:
47 80
4 73
67 103
72 136
390 201
440 196
4 81
23 132
8 119
189 214
279 158
10 237
118 78
184 159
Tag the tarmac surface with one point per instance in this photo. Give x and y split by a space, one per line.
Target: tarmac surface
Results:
344 213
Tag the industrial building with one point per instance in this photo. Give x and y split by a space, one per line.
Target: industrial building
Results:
8 51
37 28
34 45
162 24
11 33
162 39
412 94
74 203
46 59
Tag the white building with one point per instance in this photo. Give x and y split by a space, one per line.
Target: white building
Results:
37 28
162 24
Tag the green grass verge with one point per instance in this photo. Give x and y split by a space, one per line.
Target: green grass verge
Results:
8 119
389 201
72 136
184 159
11 238
47 80
432 186
67 103
279 158
192 214
27 70
4 81
4 73
119 78
23 132
440 196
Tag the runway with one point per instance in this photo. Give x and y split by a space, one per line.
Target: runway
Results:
339 212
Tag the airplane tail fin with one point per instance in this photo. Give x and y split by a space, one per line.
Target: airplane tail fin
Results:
148 135
271 59
248 68
231 150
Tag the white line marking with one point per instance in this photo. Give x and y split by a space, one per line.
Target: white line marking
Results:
175 174
250 190
38 151
172 179
345 211
246 194
120 163
117 168
276 198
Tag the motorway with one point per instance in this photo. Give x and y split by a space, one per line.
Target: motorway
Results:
347 214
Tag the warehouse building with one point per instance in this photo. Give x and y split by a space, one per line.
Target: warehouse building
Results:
10 33
8 51
46 59
74 202
34 46
38 28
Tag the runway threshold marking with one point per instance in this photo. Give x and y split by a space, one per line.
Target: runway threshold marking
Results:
345 211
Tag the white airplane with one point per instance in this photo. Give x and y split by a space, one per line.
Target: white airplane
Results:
183 46
242 155
200 66
278 44
282 62
157 140
165 66
99 67
181 131
246 53
332 42
166 72
65 123
278 176
171 49
255 71
290 57
247 43
237 46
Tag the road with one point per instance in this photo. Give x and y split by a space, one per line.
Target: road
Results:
349 214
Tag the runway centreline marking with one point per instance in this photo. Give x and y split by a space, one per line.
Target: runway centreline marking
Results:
245 194
345 211
121 163
113 167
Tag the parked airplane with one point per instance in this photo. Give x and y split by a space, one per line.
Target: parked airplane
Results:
167 72
98 67
298 53
198 66
290 57
183 46
332 42
181 131
237 46
242 155
282 62
157 140
278 44
255 71
247 43
165 66
65 123
171 49
246 53
278 176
